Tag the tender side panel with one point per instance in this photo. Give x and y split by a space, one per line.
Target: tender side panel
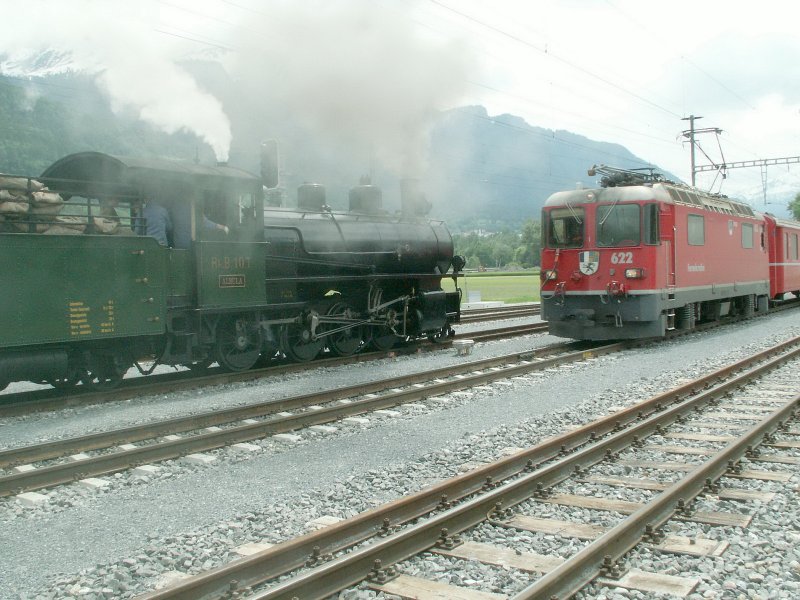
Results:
78 288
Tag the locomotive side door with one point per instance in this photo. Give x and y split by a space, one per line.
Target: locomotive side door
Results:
666 217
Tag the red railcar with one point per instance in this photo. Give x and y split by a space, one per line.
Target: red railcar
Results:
640 256
784 264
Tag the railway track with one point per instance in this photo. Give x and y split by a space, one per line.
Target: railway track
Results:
15 404
714 428
29 468
511 311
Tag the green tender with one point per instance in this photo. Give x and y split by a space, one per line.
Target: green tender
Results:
59 289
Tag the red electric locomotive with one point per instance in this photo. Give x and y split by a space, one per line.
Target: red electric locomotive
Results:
640 256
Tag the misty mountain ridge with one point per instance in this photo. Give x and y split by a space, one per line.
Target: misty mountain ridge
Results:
38 65
492 172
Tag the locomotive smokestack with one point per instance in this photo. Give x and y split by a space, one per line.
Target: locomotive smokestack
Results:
270 170
222 163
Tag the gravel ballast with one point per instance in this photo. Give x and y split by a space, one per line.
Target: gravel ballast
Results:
118 541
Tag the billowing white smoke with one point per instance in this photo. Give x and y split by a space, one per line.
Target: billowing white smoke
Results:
357 73
115 40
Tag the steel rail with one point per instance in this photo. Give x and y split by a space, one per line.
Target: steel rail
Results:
504 332
347 570
282 558
499 313
123 459
505 307
105 439
582 568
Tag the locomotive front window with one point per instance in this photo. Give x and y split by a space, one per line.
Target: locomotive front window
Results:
651 224
564 227
618 225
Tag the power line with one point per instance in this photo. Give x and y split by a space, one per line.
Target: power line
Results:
607 126
194 39
665 40
555 57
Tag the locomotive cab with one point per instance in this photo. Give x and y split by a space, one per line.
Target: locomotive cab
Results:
208 259
600 254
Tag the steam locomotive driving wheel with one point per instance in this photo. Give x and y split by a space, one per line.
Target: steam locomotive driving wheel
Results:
382 338
298 344
238 344
347 341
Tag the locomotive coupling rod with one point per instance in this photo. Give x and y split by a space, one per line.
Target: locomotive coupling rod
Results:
350 325
386 304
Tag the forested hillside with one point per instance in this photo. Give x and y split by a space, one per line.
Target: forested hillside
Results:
40 124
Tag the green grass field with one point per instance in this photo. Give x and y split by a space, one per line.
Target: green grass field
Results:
507 287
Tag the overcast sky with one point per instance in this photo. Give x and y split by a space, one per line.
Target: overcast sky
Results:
628 71
624 71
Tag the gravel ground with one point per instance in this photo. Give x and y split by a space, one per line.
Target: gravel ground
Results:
119 541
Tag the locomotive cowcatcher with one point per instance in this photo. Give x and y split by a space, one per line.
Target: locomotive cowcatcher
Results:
640 256
279 282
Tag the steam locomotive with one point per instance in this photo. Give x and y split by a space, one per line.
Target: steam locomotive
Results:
640 256
87 293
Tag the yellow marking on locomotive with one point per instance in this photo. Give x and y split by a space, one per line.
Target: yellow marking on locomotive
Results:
78 314
230 262
108 325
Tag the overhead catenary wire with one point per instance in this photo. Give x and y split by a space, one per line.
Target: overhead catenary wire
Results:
557 58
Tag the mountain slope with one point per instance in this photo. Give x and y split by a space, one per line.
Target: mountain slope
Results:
500 169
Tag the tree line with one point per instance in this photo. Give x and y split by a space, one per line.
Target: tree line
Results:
505 249
794 207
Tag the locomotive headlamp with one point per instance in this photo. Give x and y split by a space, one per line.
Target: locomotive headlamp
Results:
458 263
634 273
548 274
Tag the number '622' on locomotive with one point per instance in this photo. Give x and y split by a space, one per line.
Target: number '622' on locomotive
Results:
110 260
640 256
